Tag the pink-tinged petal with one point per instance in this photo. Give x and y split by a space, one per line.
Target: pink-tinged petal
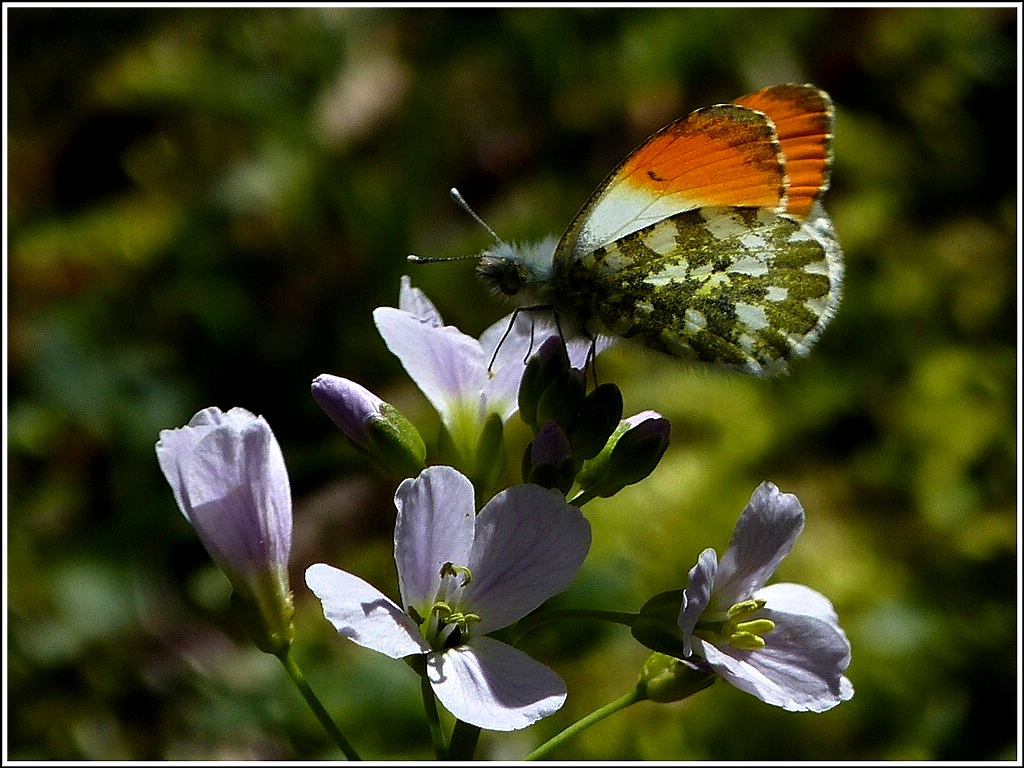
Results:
799 669
415 302
177 452
764 534
697 595
435 524
447 365
492 685
363 614
529 545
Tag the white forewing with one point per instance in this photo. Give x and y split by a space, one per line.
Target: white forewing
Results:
620 209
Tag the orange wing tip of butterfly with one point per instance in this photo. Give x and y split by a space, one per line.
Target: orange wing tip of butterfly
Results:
803 116
717 156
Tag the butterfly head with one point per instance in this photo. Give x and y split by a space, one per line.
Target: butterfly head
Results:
523 271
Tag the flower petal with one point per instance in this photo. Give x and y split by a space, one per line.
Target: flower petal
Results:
529 545
799 669
434 526
176 452
492 685
415 302
514 342
350 406
447 365
697 595
363 614
797 598
267 477
763 536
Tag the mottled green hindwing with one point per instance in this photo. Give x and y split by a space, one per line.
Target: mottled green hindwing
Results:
741 287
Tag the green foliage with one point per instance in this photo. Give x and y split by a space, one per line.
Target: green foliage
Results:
205 205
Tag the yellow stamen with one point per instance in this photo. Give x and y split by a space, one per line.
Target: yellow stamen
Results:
450 569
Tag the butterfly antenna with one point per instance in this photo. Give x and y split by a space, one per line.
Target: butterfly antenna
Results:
461 202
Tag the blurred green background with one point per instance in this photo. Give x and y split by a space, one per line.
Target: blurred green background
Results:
204 207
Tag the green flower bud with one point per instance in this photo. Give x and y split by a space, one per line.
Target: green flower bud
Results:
598 417
542 369
561 400
630 455
665 678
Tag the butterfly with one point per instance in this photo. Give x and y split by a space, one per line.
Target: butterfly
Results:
708 241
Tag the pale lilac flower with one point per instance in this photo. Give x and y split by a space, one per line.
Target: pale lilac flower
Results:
461 376
229 479
462 575
781 643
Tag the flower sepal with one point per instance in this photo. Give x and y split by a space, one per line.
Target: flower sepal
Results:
598 418
562 399
484 464
657 626
395 444
271 632
491 454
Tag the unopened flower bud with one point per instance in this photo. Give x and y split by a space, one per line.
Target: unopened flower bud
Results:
561 400
631 454
548 460
542 369
229 480
375 427
598 417
665 678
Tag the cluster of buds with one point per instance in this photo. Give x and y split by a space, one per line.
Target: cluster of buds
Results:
580 439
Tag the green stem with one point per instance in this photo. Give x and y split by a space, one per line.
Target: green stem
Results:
535 620
464 739
292 668
579 726
433 720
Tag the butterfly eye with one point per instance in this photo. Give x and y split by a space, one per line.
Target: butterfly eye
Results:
501 275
